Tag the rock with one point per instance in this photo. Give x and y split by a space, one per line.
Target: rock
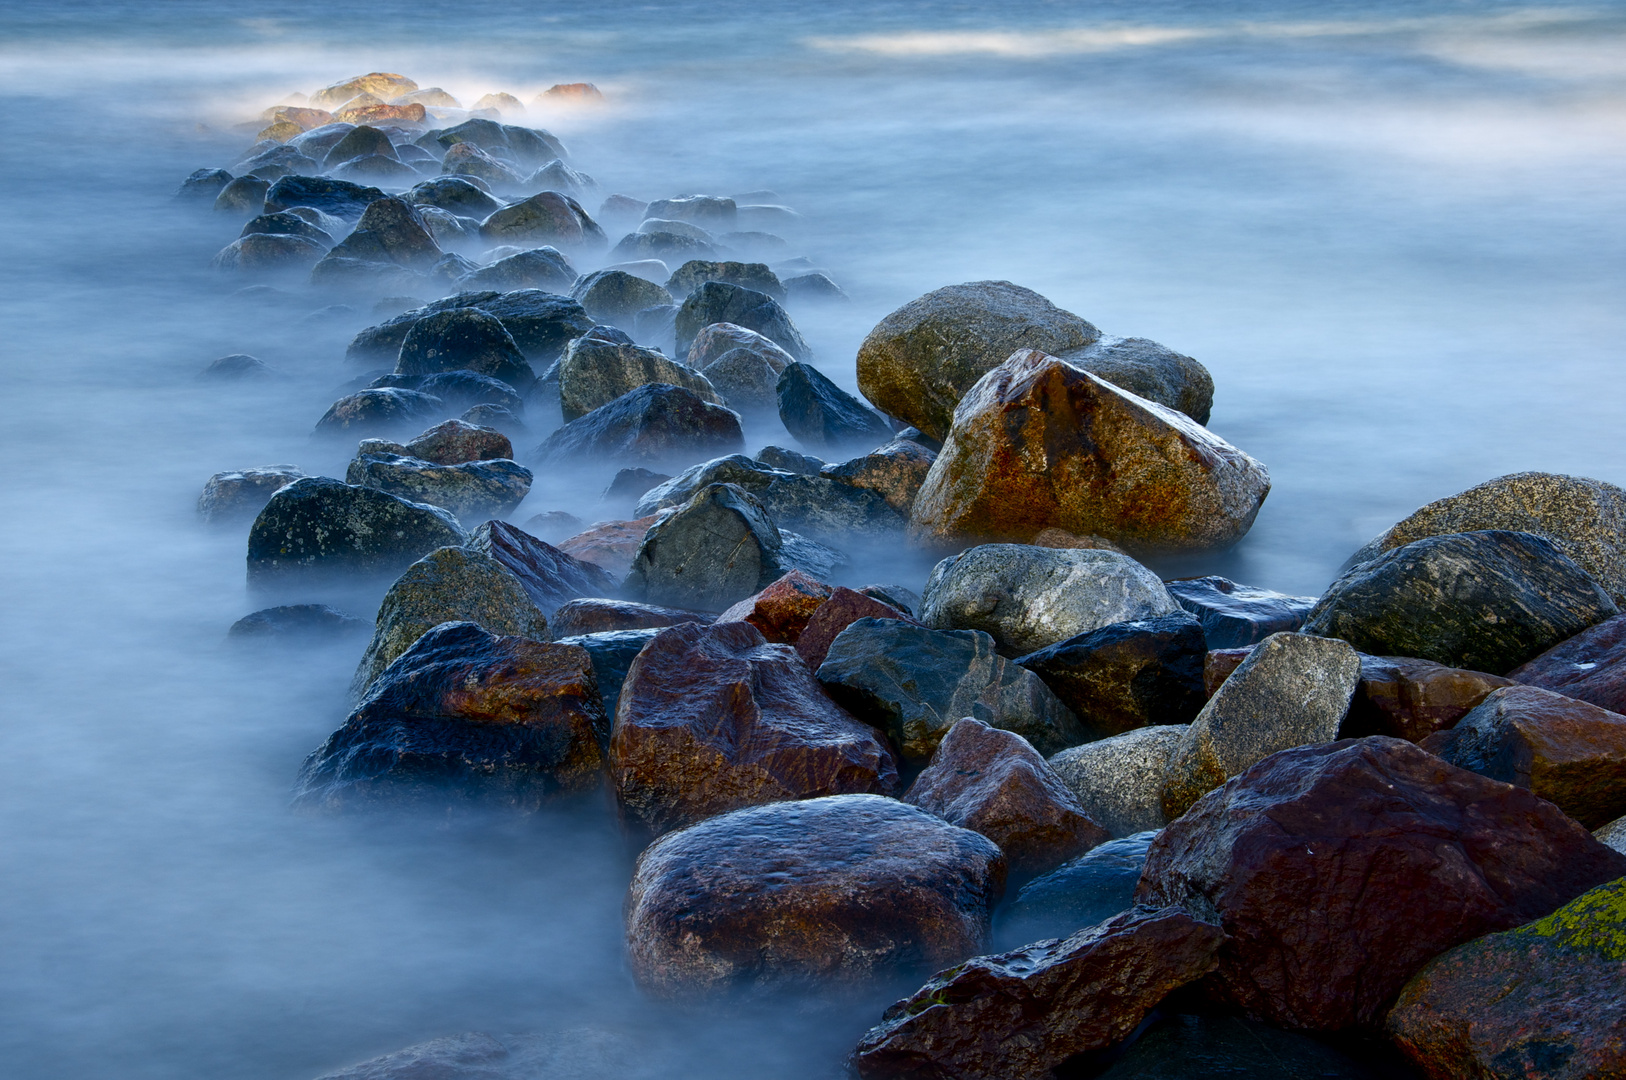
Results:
557 176
803 554
455 194
543 268
615 296
777 457
1487 601
596 615
993 782
1149 370
781 611
203 185
287 223
317 141
316 524
1586 667
830 511
545 218
358 142
528 147
1119 780
1338 870
653 226
1218 666
657 325
450 584
622 208
553 526
839 610
1038 443
1569 752
311 622
382 84
579 93
597 370
390 230
243 197
380 412
716 301
541 323
1292 690
573 1054
465 389
1544 1000
746 380
340 274
736 469
549 576
472 489
661 244
340 198
696 272
1128 675
235 496
847 889
632 484
465 715
652 425
378 169
1182 1046
922 359
821 414
914 683
1233 615
708 211
1030 597
813 288
1412 699
492 416
719 548
456 441
613 652
268 253
904 599
1584 519
1085 890
609 545
463 339
714 345
467 159
1018 1015
895 472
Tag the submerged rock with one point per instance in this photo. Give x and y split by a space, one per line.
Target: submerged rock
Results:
318 525
311 622
821 414
234 496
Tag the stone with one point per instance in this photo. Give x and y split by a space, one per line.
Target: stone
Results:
467 159
578 93
1584 519
464 390
1233 615
317 525
1546 1000
1184 1046
378 169
341 198
492 416
653 425
464 339
781 610
894 471
268 253
632 484
622 208
1119 780
612 652
661 244
390 230
821 562
358 142
317 141
383 411
597 615
203 185
914 683
922 359
596 370
1149 370
994 782
381 84
557 176
737 469
679 228
450 584
708 211
839 610
455 194
1587 667
1292 690
1488 601
1018 1015
456 441
240 495
719 548
1030 597
609 545
541 323
543 268
305 622
550 577
545 218
1083 891
716 340
717 301
746 380
814 288
287 223
1038 443
696 272
1218 666
1412 699
1569 752
821 414
830 511
430 97
615 296
849 889
1128 675
777 457
466 715
1338 870
506 103
243 197
471 489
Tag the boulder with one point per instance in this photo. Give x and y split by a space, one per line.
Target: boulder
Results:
1233 615
455 194
239 495
597 615
615 296
609 545
341 198
736 469
1029 597
268 253
821 414
839 610
613 652
1175 1046
378 169
557 176
1081 892
1487 601
1038 443
717 301
1018 1015
202 185
914 683
717 340
1218 666
1587 667
696 272
287 223
462 390
243 197
895 472
541 323
380 84
777 457
994 782
831 511
813 288
317 141
719 548
597 369
922 359
316 525
466 715
358 142
464 339
1338 870
1149 370
467 159
383 411
708 211
472 489
781 611
1412 699
1119 780
291 622
1292 690
456 441
545 218
661 245
543 268
549 576
652 425
848 889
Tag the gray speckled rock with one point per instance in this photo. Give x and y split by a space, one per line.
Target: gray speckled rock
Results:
471 489
1029 597
921 359
1613 835
1292 690
232 496
464 339
615 296
1151 371
1487 601
1119 781
545 268
549 576
830 511
1585 519
596 369
318 525
721 547
717 301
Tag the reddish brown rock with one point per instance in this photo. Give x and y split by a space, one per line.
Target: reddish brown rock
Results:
596 615
1038 443
1411 699
1339 869
1571 753
1018 1015
1591 666
781 611
1218 665
713 718
843 608
846 889
894 472
994 782
609 545
457 441
548 575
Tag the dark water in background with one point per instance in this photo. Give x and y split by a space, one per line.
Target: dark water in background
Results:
1393 232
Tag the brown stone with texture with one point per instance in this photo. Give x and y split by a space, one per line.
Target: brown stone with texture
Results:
457 441
596 615
713 718
610 545
1018 1015
841 610
1339 869
1411 699
894 472
1591 666
994 782
1218 665
781 611
374 115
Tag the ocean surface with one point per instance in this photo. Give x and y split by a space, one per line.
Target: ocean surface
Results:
1394 232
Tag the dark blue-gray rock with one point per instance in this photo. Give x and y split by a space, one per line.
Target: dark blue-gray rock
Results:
717 301
663 245
319 526
466 159
297 622
914 683
243 493
472 489
358 142
813 288
696 272
542 323
203 185
341 198
316 142
464 339
530 147
387 411
631 484
821 414
657 325
736 469
557 176
287 224
1202 1046
495 416
612 653
1235 615
1119 780
545 218
390 230
615 296
1127 675
623 209
1486 601
463 389
454 194
376 169
545 268
651 426
1151 371
707 211
655 226
777 457
603 365
743 365
451 267
237 367
549 576
830 511
269 253
719 548
243 197
1086 890
365 277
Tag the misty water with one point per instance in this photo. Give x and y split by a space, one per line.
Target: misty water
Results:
1394 233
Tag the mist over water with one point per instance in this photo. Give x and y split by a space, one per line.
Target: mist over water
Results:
1394 233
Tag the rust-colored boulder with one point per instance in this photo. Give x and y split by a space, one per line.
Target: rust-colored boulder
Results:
894 472
596 615
994 782
1018 1015
1218 665
1411 699
611 545
457 441
782 609
1038 443
1591 666
847 889
548 575
1571 753
843 608
1339 869
713 718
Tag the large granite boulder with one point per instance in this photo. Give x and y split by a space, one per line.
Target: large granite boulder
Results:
471 489
1119 780
849 889
719 548
1081 892
824 416
717 301
1038 443
1338 870
1412 699
1591 666
549 576
464 339
318 526
1488 601
243 493
1149 370
1127 675
547 217
1235 615
596 369
655 424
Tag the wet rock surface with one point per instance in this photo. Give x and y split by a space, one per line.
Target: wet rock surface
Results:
548 575
471 489
652 425
824 416
234 496
1081 892
456 441
1591 666
721 547
1412 699
596 615
380 411
720 302
894 471
319 526
839 610
463 339
1119 780
1152 371
782 610
1234 615
597 370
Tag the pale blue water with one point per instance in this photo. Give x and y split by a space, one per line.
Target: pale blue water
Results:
1394 233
